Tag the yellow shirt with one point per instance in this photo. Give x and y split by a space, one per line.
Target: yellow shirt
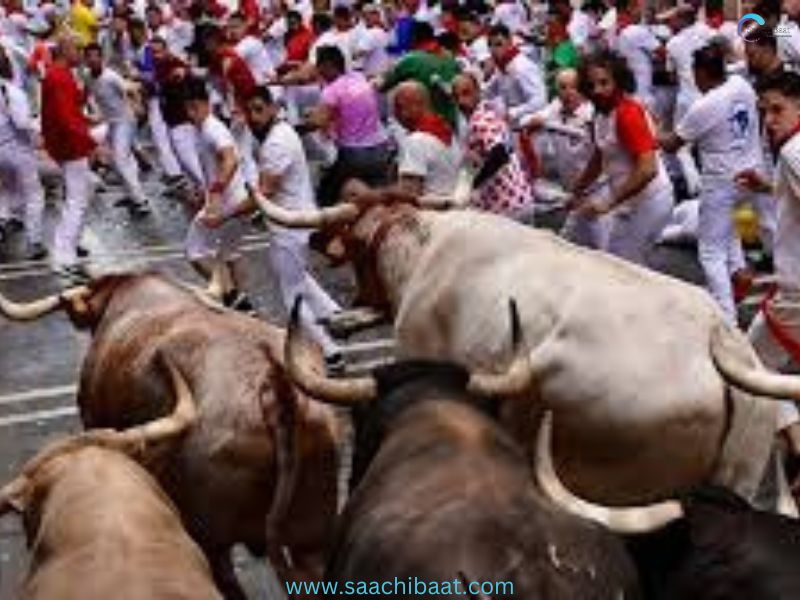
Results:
84 22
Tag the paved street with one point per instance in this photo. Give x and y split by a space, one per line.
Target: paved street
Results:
39 361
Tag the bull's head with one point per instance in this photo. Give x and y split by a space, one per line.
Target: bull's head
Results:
27 491
357 228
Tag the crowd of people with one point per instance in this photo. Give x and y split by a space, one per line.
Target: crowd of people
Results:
628 111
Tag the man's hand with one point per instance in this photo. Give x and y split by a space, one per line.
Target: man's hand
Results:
752 180
593 208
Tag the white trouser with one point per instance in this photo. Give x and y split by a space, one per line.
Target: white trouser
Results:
288 257
589 233
786 309
634 229
718 246
21 190
160 133
120 138
184 141
77 186
766 207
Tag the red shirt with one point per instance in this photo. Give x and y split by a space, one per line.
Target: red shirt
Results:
235 73
64 126
298 45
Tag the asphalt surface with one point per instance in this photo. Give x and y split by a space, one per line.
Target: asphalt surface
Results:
39 361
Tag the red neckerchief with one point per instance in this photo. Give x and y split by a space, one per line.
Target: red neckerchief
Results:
431 46
623 20
715 18
505 60
435 125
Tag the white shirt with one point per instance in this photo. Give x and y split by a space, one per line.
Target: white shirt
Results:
255 54
478 50
426 156
213 136
724 125
571 153
522 88
579 28
787 232
109 93
789 46
281 154
371 44
680 57
512 15
16 123
636 43
340 39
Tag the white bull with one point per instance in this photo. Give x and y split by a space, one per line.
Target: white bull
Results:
651 391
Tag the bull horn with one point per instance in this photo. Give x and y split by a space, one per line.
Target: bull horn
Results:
321 218
30 311
624 521
217 283
519 375
344 392
727 352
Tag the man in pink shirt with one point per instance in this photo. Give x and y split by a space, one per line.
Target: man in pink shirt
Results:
350 113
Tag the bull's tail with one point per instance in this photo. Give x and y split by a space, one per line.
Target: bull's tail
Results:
735 361
286 457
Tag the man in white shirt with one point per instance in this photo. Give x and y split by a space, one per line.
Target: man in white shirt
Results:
789 46
570 151
637 43
429 155
110 93
519 82
284 179
372 42
775 332
20 187
471 31
724 126
250 49
213 238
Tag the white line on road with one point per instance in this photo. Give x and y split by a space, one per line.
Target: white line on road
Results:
38 394
39 416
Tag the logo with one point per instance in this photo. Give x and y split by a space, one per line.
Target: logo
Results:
750 27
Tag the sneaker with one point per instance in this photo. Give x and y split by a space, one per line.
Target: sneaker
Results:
15 225
73 274
37 252
335 364
82 252
239 301
139 210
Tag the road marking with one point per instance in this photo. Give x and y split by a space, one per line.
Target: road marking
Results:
39 416
146 260
38 394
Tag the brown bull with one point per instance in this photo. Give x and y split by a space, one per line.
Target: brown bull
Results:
259 453
98 524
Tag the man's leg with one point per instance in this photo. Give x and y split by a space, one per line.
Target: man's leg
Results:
160 134
288 265
73 215
715 239
633 235
121 139
184 140
33 196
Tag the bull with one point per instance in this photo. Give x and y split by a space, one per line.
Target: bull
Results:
259 467
651 390
98 524
443 496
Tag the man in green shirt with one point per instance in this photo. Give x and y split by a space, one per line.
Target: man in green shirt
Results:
431 66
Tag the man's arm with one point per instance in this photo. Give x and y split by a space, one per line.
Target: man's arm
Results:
671 142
